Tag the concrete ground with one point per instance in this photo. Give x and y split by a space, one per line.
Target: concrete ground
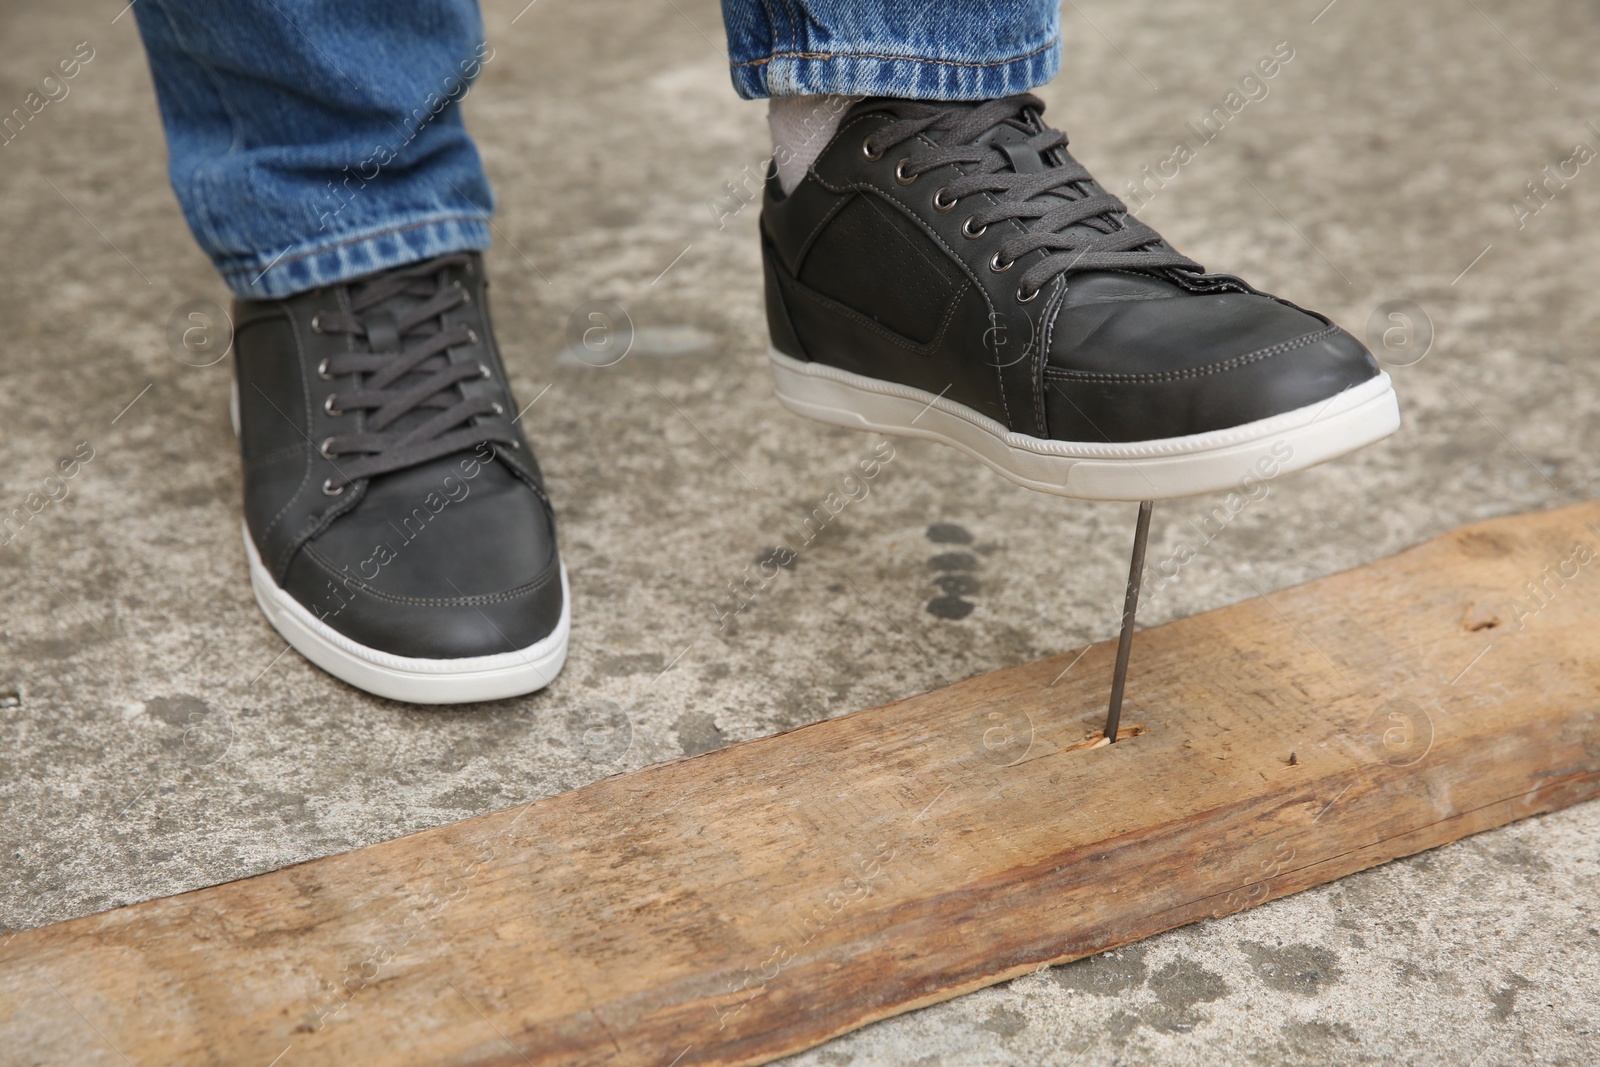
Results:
156 739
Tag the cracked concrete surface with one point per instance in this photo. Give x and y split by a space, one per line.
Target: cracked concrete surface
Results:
157 740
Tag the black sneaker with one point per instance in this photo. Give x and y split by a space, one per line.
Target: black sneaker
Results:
396 523
949 271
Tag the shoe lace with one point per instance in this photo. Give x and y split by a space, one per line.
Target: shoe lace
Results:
404 371
1064 212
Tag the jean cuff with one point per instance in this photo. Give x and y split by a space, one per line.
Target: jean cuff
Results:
907 77
297 269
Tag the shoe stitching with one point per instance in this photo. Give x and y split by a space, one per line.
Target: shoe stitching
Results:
511 457
1042 371
905 206
1005 405
1144 275
1000 372
326 565
805 246
949 250
1195 372
287 450
305 396
316 522
858 188
921 272
1040 366
876 327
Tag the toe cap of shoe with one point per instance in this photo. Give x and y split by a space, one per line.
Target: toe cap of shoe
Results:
1150 369
432 569
443 628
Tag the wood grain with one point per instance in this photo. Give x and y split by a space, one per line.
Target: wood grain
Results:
751 902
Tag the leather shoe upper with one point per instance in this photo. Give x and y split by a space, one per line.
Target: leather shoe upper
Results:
960 249
386 487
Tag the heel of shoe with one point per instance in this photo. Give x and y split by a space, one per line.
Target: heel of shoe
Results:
779 327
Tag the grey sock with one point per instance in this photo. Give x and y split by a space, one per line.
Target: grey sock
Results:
802 126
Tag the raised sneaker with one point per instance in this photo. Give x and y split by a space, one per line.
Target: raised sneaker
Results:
949 271
396 523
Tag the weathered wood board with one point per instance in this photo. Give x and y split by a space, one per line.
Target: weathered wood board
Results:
744 904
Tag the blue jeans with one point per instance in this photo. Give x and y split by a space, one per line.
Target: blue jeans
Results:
314 141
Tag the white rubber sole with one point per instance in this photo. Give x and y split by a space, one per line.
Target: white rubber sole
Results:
1144 470
416 681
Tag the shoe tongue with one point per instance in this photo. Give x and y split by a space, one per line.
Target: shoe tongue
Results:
1011 138
385 337
1012 141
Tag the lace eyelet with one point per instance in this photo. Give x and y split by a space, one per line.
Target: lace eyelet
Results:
968 232
472 336
324 446
900 174
322 371
940 204
1030 298
483 370
327 406
466 297
328 488
316 323
1000 266
498 410
866 150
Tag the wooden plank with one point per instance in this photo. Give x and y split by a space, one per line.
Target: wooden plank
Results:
744 904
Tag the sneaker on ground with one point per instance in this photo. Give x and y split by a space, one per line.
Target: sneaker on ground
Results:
396 524
949 271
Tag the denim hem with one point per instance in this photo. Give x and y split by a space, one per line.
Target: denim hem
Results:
297 269
907 77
